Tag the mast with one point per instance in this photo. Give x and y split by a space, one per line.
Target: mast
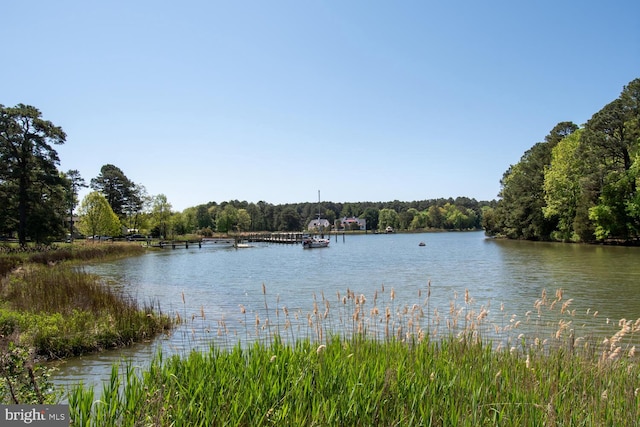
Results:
319 226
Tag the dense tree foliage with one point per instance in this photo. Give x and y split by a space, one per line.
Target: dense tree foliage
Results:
449 214
579 184
97 217
31 190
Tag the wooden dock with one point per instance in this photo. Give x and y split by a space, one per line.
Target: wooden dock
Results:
173 244
280 238
287 238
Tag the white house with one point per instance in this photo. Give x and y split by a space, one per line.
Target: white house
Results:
319 224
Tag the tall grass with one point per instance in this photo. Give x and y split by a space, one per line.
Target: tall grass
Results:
62 312
388 365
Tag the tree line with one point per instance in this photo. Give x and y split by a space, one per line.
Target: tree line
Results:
39 203
578 185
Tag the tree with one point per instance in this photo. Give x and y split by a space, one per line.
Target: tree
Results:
289 220
73 183
370 214
161 213
226 219
244 220
97 217
116 187
562 188
610 142
388 218
28 164
134 204
203 217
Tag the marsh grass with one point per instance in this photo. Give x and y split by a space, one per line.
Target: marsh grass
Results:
60 312
358 361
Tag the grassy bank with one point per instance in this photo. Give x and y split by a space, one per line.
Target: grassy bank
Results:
395 366
50 310
363 382
61 312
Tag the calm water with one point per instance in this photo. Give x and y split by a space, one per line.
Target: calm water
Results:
208 286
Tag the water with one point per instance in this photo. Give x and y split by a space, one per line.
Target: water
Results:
208 286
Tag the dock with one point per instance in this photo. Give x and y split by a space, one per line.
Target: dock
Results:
173 244
279 238
286 238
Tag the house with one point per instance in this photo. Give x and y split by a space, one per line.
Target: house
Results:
353 223
319 224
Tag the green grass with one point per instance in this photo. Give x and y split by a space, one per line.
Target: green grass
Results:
391 366
56 311
366 382
61 312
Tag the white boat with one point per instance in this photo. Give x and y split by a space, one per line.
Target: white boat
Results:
309 242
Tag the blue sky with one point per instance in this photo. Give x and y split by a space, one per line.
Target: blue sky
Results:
274 100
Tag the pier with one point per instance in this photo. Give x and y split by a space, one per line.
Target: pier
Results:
287 238
280 238
175 244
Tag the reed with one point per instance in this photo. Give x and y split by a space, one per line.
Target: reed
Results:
375 362
61 312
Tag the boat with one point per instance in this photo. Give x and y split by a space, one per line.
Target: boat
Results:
311 242
421 244
389 229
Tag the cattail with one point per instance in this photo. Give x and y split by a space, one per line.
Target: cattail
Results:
467 300
264 289
393 294
565 305
273 358
559 294
527 362
242 309
615 354
182 297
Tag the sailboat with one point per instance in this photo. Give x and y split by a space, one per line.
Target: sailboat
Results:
311 242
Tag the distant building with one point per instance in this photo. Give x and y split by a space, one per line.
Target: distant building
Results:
353 223
319 224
